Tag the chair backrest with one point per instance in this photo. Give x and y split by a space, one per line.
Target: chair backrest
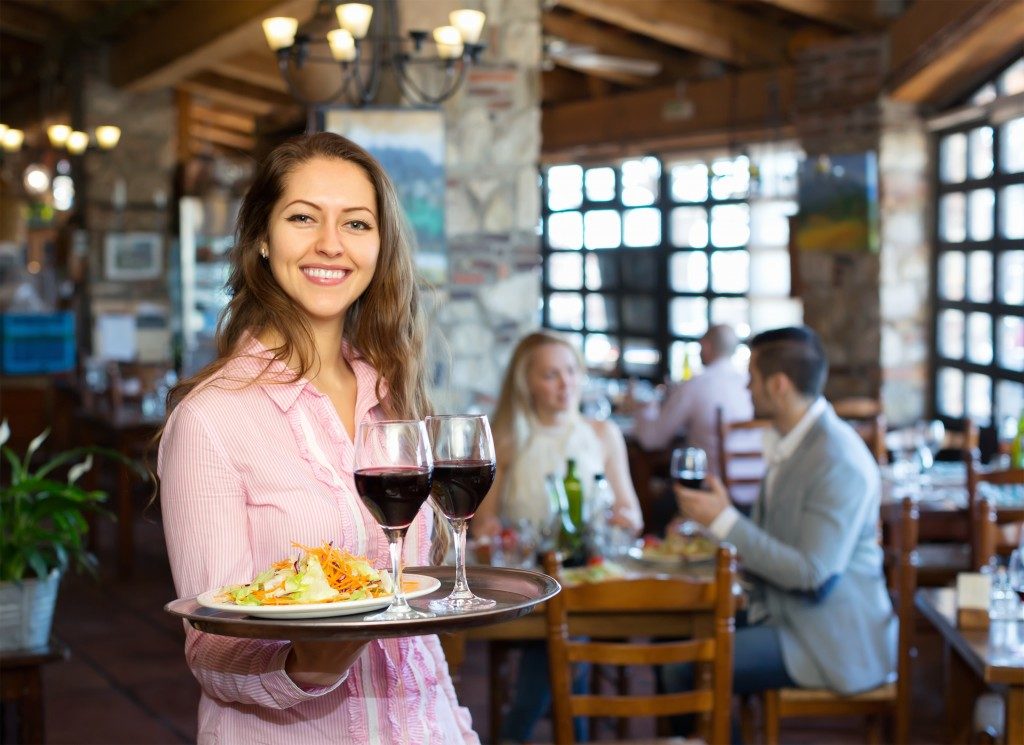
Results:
990 521
740 454
676 597
866 417
904 590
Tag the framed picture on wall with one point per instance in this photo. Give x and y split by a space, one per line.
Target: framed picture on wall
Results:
410 145
128 256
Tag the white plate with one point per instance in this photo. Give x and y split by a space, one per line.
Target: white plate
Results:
662 559
423 585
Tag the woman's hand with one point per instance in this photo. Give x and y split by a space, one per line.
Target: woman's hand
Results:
321 664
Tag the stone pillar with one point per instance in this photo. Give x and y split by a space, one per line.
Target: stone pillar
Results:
492 211
905 268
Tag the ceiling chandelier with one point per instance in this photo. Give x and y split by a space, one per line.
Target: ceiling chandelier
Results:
428 67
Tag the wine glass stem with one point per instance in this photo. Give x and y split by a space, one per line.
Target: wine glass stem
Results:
461 588
396 538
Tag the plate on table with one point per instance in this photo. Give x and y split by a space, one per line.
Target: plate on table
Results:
676 549
417 585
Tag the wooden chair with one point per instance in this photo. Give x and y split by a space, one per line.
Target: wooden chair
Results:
741 464
891 700
866 417
662 594
996 529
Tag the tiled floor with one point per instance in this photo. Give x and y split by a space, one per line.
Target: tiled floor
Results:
126 679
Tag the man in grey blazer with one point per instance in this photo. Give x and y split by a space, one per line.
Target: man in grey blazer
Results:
819 615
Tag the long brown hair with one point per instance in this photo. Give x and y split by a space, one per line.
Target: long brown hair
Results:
384 324
514 415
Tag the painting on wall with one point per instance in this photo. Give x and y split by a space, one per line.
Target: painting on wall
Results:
129 256
410 145
838 203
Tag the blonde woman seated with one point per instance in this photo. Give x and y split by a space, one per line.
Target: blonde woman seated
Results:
537 427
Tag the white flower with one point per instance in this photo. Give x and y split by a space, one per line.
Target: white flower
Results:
34 445
77 470
5 432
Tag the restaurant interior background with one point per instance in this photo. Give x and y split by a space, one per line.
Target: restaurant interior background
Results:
626 171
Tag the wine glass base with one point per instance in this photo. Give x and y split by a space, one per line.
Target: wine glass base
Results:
399 614
460 605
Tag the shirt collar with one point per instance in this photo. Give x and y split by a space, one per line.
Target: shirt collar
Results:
779 449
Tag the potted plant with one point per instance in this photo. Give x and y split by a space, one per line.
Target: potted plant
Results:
42 532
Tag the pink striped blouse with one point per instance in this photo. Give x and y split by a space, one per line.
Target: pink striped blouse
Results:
246 470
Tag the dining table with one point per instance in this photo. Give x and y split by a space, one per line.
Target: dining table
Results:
974 661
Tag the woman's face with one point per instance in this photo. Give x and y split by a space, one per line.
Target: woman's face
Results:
553 379
324 237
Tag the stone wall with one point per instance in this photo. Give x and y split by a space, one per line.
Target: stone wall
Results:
492 212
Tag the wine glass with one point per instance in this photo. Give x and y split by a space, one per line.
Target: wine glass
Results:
393 474
688 468
463 472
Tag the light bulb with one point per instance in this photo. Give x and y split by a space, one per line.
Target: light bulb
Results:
36 180
343 46
77 142
3 131
448 41
13 139
280 31
470 24
58 134
355 18
107 136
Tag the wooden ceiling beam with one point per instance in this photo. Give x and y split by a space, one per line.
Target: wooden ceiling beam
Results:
25 22
252 67
234 94
190 35
244 123
852 15
220 136
560 85
608 40
603 73
962 40
711 29
739 101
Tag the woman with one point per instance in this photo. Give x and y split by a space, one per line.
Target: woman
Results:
537 427
322 333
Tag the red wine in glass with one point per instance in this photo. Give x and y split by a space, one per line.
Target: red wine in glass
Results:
461 485
688 467
690 479
393 495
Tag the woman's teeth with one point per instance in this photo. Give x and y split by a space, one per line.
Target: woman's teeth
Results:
326 273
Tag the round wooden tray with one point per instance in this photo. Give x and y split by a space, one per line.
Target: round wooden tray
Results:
516 591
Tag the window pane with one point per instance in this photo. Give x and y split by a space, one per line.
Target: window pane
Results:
640 271
778 173
600 183
565 310
602 271
769 273
953 158
951 392
638 312
979 338
982 207
602 229
730 177
980 143
952 275
642 227
733 311
730 271
689 182
1011 342
601 352
689 316
677 352
979 398
951 334
565 187
601 313
1011 140
1011 207
640 181
1011 277
565 271
1012 79
689 226
565 230
980 289
640 357
984 94
689 271
1009 402
769 223
730 225
953 217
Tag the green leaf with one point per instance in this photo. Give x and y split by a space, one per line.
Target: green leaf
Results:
17 472
38 564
